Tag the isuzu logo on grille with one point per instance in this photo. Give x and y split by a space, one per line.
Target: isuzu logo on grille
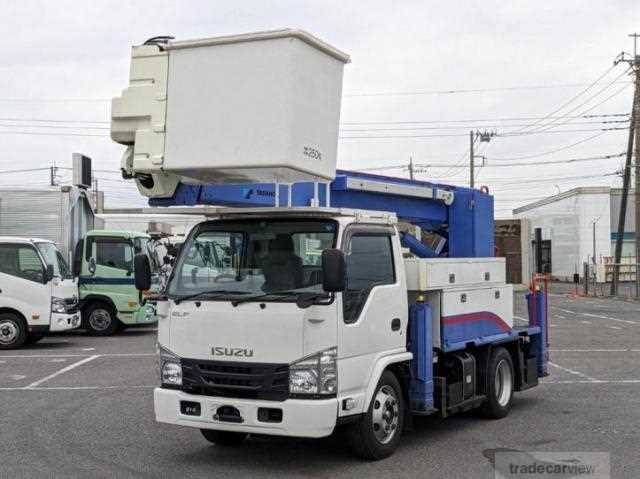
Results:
226 351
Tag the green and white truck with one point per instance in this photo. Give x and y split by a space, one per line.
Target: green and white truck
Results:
103 263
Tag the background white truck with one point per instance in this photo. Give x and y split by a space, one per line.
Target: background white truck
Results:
37 291
295 319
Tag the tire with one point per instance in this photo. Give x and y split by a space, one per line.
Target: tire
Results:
99 319
500 381
224 438
13 331
369 437
33 338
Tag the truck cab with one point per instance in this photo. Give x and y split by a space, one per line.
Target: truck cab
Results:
37 292
103 262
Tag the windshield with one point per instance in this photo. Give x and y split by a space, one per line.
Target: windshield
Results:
249 257
53 257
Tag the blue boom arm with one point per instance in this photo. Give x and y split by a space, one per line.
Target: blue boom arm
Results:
461 215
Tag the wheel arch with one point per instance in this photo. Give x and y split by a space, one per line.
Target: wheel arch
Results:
15 312
483 355
397 364
98 298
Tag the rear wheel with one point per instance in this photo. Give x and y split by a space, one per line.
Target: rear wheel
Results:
377 433
499 384
224 438
100 319
13 331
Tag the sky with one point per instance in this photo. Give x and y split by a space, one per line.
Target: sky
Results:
422 75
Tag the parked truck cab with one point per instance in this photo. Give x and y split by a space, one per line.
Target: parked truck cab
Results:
103 262
37 291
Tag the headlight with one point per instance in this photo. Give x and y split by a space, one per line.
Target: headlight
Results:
315 375
170 368
58 305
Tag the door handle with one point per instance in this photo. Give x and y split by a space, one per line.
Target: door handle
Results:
395 324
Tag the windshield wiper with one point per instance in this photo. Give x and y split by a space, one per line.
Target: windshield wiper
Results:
284 294
304 298
213 294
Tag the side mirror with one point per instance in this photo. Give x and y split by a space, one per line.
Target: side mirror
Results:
48 274
333 270
92 266
142 272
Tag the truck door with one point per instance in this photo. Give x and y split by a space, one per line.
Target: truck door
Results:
374 304
22 285
108 270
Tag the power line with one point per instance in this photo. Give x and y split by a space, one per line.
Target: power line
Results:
478 120
502 135
575 97
548 152
555 162
348 95
23 125
26 170
55 100
53 120
42 133
467 127
466 90
602 90
407 122
528 180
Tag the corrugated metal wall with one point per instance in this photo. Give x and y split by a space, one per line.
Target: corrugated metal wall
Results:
50 213
34 213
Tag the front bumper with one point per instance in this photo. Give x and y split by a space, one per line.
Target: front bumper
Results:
64 321
300 417
143 315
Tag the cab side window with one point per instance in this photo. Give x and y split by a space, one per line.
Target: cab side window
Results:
21 261
112 252
369 264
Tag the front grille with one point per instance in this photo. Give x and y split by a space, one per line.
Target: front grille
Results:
236 379
71 305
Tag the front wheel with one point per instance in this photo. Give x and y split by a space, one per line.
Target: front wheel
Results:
499 385
224 438
13 331
377 433
100 319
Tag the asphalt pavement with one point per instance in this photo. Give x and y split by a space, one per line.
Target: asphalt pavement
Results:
78 406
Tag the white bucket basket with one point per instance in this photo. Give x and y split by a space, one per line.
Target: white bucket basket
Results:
260 107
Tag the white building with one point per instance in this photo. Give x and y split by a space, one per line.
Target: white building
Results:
576 226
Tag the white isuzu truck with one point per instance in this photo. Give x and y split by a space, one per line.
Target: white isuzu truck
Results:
322 298
37 291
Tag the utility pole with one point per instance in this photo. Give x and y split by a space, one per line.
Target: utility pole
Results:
636 114
411 176
485 137
634 134
53 170
593 256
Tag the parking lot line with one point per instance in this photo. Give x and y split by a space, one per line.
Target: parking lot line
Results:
572 371
74 355
595 381
627 350
74 388
599 316
62 371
